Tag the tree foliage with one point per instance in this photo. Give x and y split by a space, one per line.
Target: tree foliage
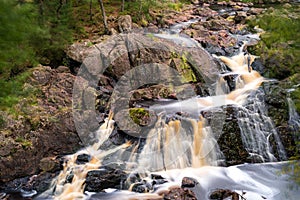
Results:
31 32
16 32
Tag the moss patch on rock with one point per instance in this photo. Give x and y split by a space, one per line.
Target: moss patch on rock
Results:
140 116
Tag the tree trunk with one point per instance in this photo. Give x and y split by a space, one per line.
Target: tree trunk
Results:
140 9
103 16
91 12
123 5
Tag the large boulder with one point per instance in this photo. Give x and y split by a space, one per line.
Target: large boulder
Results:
124 65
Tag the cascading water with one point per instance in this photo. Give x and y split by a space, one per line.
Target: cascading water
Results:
294 119
256 128
187 147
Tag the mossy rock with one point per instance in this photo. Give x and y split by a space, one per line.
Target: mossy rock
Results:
140 116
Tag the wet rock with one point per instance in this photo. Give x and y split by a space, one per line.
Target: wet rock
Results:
125 23
82 159
276 103
69 178
36 183
142 187
231 144
224 194
188 182
240 17
158 179
98 180
258 66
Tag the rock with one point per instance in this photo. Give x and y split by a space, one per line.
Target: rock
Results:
188 182
224 194
178 194
98 180
121 54
287 5
125 23
240 17
43 130
113 31
158 179
141 188
35 184
82 159
258 66
50 164
69 178
256 11
63 69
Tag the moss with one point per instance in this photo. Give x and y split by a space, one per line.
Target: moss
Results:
174 54
139 115
175 6
144 22
25 143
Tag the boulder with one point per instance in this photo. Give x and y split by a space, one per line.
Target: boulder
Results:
125 23
111 61
178 193
98 180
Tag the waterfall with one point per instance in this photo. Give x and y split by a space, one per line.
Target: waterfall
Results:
179 144
186 142
256 128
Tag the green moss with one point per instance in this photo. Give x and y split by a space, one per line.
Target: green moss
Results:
186 70
139 115
25 143
175 6
144 22
174 54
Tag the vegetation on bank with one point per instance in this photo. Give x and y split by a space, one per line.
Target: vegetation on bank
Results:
279 47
